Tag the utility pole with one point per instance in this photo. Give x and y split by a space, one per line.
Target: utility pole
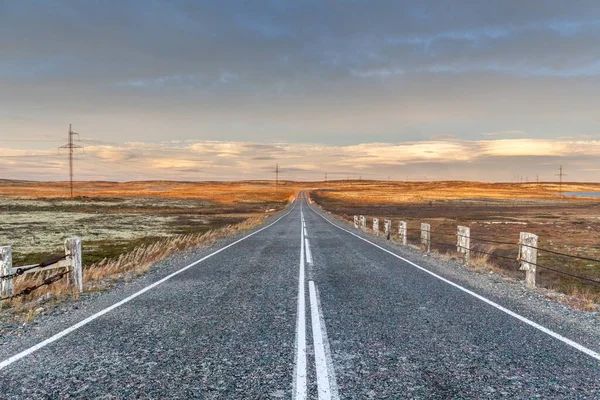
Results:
71 147
560 175
276 175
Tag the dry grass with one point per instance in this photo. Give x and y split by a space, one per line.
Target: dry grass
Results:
102 275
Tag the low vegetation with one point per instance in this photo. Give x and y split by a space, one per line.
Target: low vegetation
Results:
124 227
496 212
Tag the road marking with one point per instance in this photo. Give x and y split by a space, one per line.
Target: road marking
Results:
309 258
91 318
326 385
300 388
529 322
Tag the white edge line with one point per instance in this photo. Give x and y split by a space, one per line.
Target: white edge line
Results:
537 326
300 386
89 319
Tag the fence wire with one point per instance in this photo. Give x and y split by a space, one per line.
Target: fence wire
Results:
476 239
48 281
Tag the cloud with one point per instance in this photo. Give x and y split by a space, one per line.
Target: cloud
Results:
482 160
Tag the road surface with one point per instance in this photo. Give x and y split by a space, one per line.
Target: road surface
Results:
302 309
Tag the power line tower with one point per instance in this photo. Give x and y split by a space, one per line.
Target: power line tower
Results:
276 175
71 148
325 176
560 175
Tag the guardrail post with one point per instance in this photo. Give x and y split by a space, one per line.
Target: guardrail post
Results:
528 257
426 236
73 250
6 285
363 223
387 228
356 222
402 232
376 226
463 242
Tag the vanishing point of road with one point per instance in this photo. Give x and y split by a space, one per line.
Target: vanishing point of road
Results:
302 308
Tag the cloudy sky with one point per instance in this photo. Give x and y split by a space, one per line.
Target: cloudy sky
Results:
226 89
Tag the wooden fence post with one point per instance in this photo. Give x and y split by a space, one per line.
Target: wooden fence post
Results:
73 251
376 226
6 285
363 223
426 236
528 257
387 228
356 222
463 242
402 232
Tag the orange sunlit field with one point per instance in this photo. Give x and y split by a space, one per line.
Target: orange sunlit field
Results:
493 211
221 192
385 192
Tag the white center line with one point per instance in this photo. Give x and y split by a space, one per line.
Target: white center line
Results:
326 382
309 258
326 390
300 388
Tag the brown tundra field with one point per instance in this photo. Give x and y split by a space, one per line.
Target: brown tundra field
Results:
124 227
496 214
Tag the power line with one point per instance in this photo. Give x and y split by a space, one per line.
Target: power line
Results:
71 147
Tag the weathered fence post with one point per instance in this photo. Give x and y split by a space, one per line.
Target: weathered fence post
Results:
6 285
463 242
426 236
387 228
73 251
363 223
376 226
402 232
528 257
356 222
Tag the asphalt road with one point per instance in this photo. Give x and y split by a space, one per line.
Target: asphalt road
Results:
303 309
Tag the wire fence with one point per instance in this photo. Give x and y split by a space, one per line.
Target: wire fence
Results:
48 281
505 257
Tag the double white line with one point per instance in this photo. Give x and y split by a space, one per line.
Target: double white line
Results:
326 383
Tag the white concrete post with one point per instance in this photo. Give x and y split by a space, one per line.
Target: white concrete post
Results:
387 228
463 242
426 236
6 285
363 223
528 257
73 251
376 226
402 232
356 222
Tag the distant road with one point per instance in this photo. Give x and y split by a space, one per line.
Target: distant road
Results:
303 309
